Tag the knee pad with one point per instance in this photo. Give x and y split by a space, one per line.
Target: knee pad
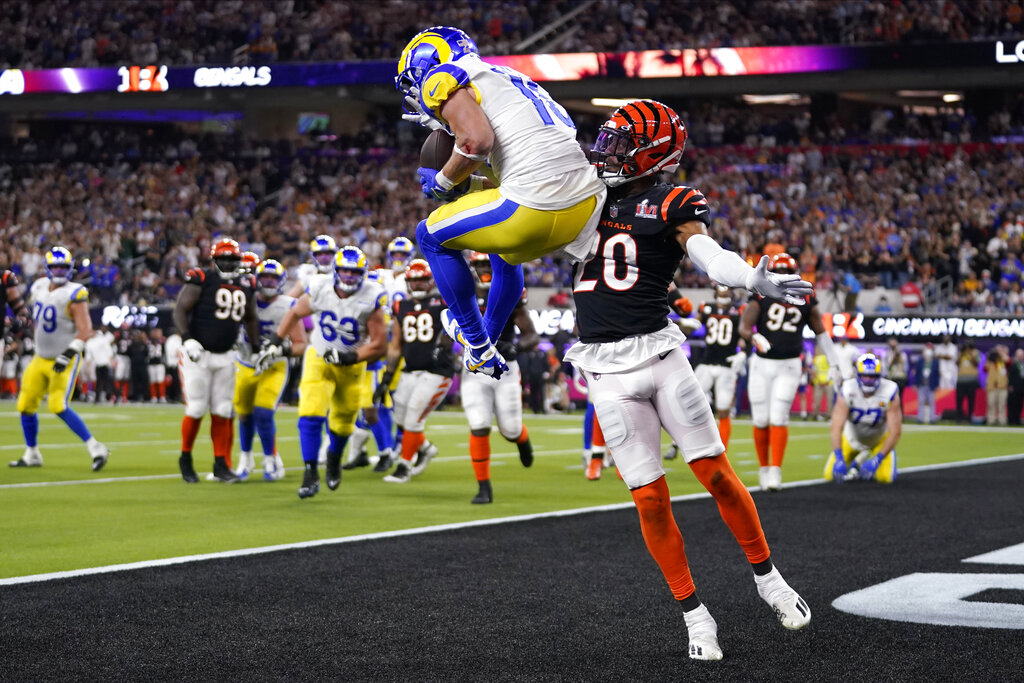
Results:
694 403
778 413
195 409
615 423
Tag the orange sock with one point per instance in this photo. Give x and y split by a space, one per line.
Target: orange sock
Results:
222 433
411 442
662 536
761 445
189 430
480 454
152 389
734 504
524 436
725 429
597 437
779 436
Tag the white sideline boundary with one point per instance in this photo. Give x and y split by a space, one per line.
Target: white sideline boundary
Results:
244 552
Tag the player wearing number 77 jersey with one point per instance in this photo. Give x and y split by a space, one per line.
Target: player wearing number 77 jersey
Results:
775 368
542 194
211 308
61 312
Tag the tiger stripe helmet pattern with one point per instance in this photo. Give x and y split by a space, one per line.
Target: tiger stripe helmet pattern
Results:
250 261
642 138
227 257
419 279
782 263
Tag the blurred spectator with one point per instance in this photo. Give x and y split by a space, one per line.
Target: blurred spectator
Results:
926 380
996 385
947 354
967 383
1015 382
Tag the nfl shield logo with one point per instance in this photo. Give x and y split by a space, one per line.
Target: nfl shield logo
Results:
614 211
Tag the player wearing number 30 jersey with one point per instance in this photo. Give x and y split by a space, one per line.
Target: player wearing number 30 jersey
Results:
775 368
211 308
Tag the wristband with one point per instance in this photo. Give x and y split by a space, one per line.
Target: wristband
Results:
443 181
77 345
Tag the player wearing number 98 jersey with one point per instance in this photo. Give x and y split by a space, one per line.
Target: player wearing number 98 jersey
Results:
774 373
211 308
349 329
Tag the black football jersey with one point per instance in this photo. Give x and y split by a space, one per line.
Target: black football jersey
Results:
7 279
721 333
419 323
782 324
621 291
156 353
122 344
217 316
506 342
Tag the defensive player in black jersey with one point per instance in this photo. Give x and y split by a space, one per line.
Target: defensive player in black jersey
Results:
484 398
417 336
12 297
721 364
211 307
629 352
775 367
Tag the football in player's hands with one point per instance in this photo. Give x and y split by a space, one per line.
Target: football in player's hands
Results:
436 150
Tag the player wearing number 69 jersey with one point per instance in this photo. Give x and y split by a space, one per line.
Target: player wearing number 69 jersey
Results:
866 425
62 326
211 308
349 329
775 369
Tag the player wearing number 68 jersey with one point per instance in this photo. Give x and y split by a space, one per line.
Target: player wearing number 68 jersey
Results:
349 329
866 425
775 369
62 326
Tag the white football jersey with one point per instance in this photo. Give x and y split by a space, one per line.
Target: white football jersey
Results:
535 158
270 314
305 274
867 419
341 323
394 285
52 313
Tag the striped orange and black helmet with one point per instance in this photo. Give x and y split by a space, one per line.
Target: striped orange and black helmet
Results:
782 263
642 138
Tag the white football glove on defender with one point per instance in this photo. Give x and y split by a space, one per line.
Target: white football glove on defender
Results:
420 117
789 288
738 363
193 349
761 343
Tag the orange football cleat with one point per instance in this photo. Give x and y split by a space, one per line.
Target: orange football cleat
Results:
594 469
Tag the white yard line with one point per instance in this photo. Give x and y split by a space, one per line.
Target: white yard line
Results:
244 552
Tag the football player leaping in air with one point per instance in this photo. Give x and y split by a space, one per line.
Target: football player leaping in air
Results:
257 395
775 367
866 425
543 194
348 330
629 352
62 326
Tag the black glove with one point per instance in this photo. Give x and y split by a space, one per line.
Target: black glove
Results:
339 357
381 392
61 362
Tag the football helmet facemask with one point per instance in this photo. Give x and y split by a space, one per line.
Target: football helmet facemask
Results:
419 279
399 253
250 261
60 265
429 48
227 258
642 138
349 268
783 264
723 296
270 276
480 264
323 249
869 373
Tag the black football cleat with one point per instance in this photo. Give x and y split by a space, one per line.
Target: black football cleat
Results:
484 495
310 483
361 460
384 463
525 453
188 473
222 472
333 470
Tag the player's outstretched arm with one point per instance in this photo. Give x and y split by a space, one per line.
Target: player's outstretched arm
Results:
836 371
727 268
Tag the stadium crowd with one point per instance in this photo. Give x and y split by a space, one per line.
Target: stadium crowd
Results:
68 33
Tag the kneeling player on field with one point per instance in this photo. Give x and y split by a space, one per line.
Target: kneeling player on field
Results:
638 376
257 394
348 330
867 421
418 338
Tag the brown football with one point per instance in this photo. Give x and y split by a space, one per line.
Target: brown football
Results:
436 150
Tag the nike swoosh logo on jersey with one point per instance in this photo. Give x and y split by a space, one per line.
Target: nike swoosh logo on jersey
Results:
697 213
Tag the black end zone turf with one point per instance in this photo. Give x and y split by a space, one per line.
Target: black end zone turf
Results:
570 599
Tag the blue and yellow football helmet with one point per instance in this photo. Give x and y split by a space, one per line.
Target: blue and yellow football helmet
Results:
323 248
428 48
869 372
270 275
60 265
350 268
400 253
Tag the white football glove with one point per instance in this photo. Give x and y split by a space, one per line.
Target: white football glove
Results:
267 356
420 117
339 357
738 363
193 349
789 288
761 343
